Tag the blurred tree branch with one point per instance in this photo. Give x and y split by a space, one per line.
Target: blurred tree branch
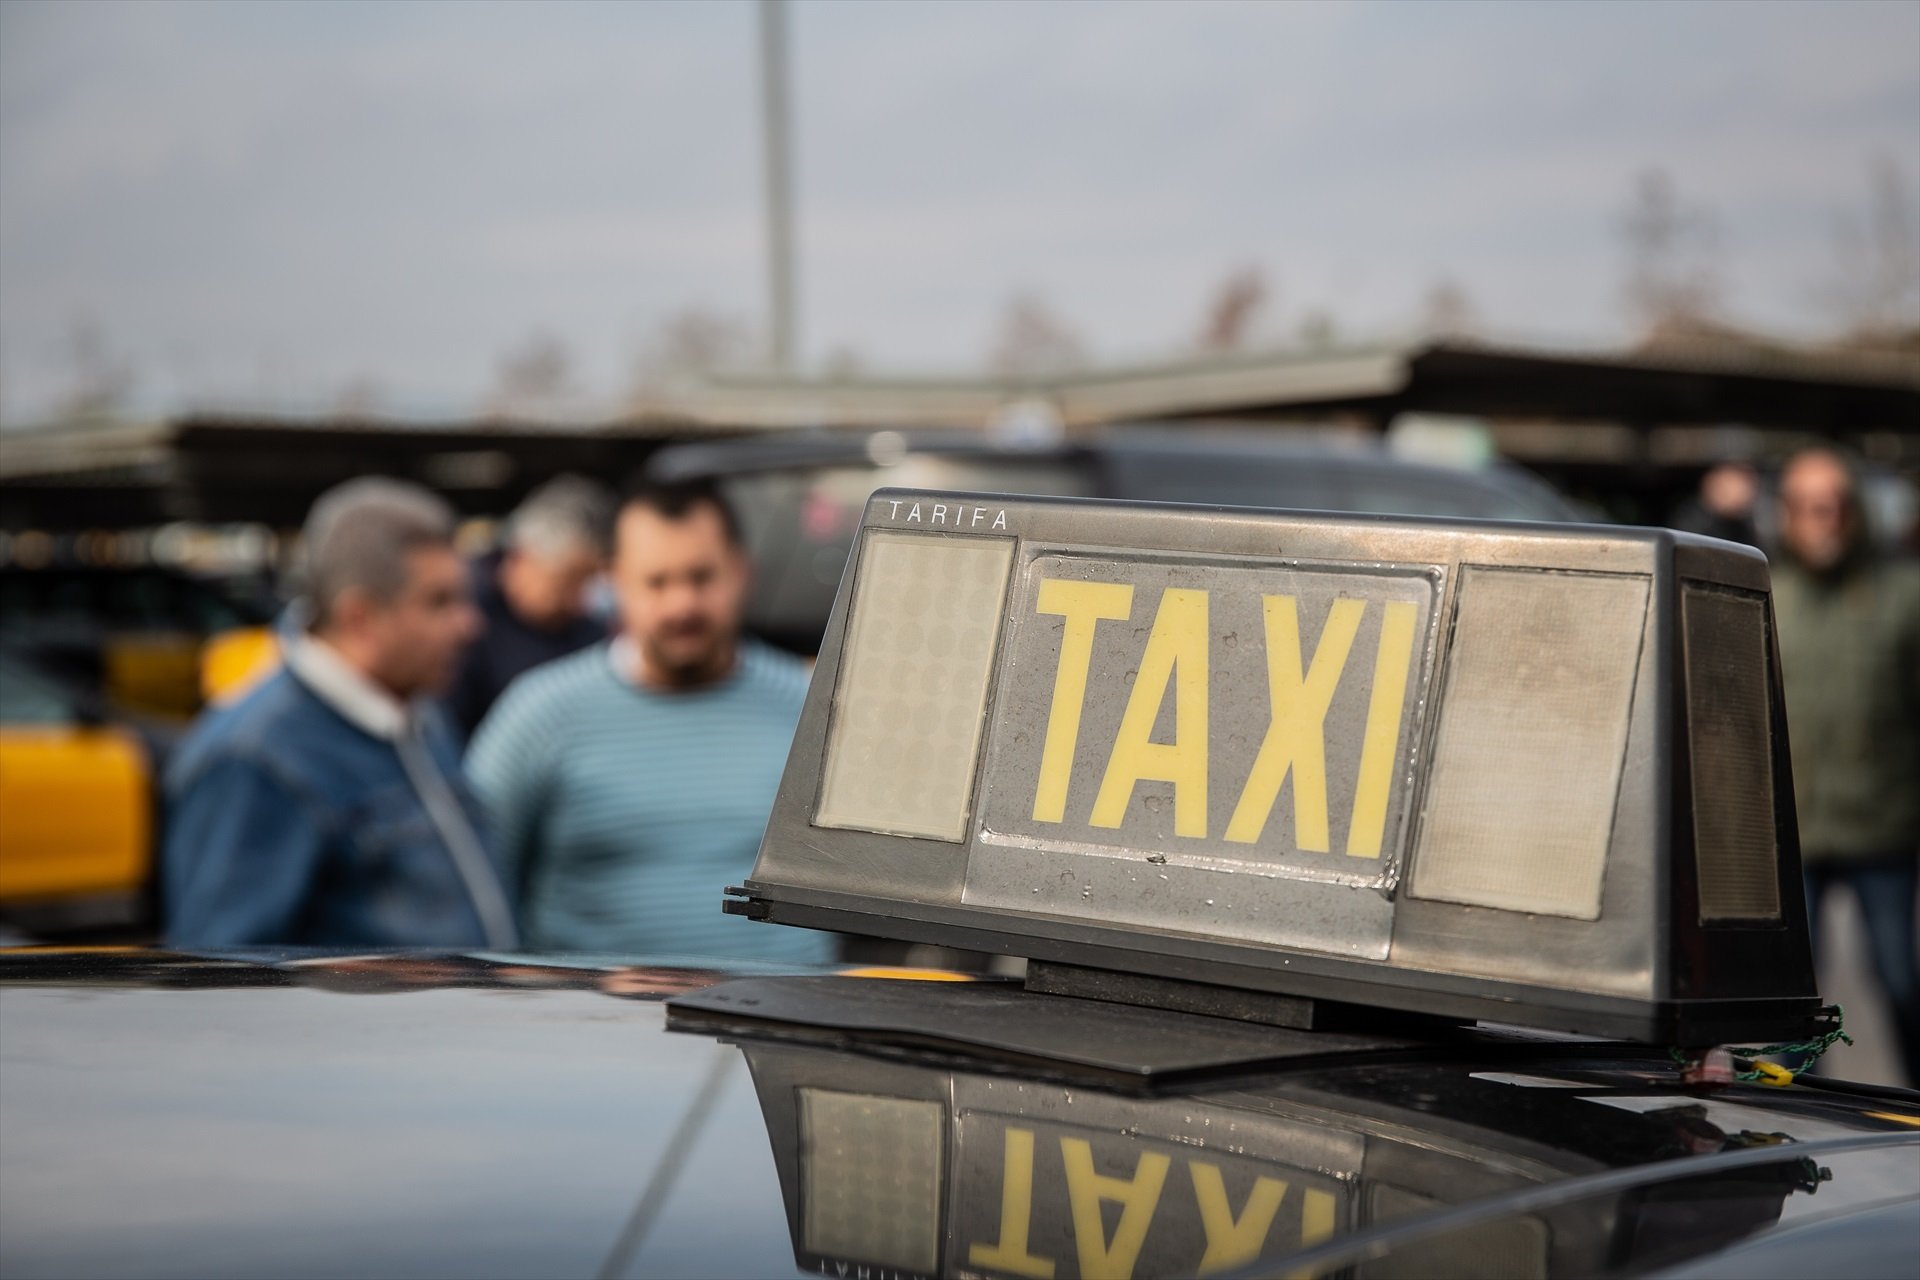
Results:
1671 284
1448 311
1033 341
532 378
1231 310
102 381
1875 287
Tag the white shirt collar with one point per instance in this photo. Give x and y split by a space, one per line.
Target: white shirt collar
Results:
363 704
624 656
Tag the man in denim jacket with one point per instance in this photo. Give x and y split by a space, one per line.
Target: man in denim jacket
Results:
326 807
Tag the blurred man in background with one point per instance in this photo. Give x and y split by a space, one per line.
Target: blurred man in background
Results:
326 808
629 784
533 594
1723 507
1849 626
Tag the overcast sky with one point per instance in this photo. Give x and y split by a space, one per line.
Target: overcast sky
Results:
277 202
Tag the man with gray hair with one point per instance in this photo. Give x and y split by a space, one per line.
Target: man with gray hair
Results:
532 594
326 807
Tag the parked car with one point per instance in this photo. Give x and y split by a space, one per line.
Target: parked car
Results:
799 496
140 635
170 1115
79 811
101 669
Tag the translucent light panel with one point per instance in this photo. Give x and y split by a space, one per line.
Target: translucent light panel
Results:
912 698
872 1168
1533 733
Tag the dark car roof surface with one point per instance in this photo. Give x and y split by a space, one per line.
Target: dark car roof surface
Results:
166 1115
1120 453
799 493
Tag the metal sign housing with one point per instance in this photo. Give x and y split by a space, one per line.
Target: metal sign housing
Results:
1524 773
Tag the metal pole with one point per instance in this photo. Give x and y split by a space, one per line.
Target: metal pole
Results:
775 123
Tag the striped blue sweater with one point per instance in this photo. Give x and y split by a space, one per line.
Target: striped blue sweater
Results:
622 812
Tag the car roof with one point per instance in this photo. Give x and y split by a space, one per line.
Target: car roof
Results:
840 446
1129 463
289 1113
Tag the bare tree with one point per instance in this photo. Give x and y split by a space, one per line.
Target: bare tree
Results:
360 397
531 377
1231 310
1319 330
1448 312
1034 341
1671 281
691 343
1875 289
694 341
844 362
102 381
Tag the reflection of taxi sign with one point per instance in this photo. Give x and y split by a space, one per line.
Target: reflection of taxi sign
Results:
1525 773
897 1169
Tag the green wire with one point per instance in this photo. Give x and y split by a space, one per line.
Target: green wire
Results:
1813 1048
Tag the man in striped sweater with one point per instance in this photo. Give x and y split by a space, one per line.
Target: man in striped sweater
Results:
629 783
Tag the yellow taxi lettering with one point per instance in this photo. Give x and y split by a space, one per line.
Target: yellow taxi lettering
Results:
1138 1197
1009 1253
1233 1241
1369 823
1316 1224
1296 738
1176 654
1083 605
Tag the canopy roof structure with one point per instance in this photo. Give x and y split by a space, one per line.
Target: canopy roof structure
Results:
1674 382
1599 410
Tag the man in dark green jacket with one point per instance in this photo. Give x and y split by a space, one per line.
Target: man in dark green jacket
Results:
1849 623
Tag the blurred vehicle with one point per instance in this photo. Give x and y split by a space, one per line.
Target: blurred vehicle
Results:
78 802
799 496
232 662
140 635
101 669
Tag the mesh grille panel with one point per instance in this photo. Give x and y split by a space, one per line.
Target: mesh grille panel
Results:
1733 833
873 1169
912 695
1533 730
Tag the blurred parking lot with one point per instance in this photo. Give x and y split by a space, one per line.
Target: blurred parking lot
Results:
1614 265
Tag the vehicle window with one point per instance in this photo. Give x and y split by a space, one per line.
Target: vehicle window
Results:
27 700
132 600
141 602
72 599
1228 479
799 526
195 605
1305 482
1384 492
16 599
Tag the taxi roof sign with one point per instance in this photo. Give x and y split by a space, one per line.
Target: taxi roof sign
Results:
1526 773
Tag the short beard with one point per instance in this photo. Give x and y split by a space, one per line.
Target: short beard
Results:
1830 559
710 666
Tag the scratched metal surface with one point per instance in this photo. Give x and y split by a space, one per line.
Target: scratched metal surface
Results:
1143 885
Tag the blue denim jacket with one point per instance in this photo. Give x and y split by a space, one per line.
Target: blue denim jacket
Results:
288 824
